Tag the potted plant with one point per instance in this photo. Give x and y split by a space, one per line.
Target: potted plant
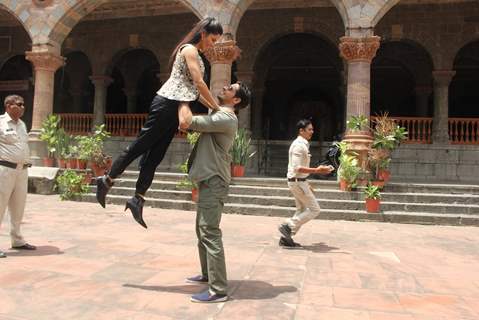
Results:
387 137
240 153
63 147
358 123
348 170
49 134
100 162
71 184
372 198
71 157
185 182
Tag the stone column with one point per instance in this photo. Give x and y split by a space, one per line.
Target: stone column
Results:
422 100
130 100
44 64
77 96
245 114
221 56
101 84
442 79
358 53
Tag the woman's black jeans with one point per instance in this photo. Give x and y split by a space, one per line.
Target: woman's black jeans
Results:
152 142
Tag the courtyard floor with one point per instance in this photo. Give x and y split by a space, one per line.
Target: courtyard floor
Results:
95 263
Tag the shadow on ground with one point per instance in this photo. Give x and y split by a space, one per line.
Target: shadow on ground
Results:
240 289
41 251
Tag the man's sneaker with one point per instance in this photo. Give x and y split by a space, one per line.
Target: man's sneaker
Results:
288 243
285 230
207 297
197 279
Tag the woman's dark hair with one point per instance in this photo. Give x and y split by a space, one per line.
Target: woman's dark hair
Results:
302 124
207 25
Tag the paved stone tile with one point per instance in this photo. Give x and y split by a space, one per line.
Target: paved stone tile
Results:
96 263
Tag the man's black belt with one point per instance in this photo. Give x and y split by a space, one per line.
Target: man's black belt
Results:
296 179
13 165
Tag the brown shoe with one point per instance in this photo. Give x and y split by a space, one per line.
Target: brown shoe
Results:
26 246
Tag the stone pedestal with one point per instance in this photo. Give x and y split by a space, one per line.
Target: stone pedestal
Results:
101 84
221 56
442 79
45 64
358 53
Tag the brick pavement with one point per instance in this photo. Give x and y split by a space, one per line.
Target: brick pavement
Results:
98 264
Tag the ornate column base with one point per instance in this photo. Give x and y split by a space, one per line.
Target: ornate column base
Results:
360 142
38 148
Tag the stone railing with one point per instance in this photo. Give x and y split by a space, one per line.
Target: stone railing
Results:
118 124
461 130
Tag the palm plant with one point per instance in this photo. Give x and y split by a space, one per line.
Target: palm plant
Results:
240 151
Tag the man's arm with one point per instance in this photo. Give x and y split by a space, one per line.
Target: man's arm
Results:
210 123
298 154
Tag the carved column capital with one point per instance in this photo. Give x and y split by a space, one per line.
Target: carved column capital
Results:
443 77
45 60
223 52
359 49
98 81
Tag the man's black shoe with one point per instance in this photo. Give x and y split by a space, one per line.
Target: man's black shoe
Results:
288 243
26 246
285 230
102 188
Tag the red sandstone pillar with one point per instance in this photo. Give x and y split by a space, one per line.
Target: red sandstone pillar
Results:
442 80
358 53
101 84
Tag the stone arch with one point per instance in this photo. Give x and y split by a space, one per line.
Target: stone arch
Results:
231 14
401 79
135 72
74 91
388 4
72 12
17 72
316 57
463 94
14 8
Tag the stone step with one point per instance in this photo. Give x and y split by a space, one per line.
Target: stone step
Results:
328 214
336 204
323 193
403 187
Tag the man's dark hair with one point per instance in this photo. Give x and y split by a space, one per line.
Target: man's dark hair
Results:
244 94
302 124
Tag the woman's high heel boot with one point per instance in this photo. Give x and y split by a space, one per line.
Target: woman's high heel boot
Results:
103 185
135 204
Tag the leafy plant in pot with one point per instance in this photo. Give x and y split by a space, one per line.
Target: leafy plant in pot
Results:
348 170
49 134
71 184
63 147
387 137
372 197
185 182
358 123
99 160
240 153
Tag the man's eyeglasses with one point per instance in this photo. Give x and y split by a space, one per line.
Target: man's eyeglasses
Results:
20 104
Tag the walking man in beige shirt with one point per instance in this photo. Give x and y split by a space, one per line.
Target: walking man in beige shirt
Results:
307 208
14 161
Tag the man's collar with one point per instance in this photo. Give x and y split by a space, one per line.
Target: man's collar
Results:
7 117
303 139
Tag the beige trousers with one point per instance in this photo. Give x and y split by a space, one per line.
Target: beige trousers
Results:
307 208
13 194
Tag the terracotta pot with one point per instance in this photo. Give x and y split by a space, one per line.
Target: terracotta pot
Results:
344 186
87 177
97 170
384 175
373 205
378 183
48 162
109 162
61 163
71 163
194 195
81 164
237 170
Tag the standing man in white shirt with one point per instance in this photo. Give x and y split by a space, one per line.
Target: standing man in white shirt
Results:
307 208
14 161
